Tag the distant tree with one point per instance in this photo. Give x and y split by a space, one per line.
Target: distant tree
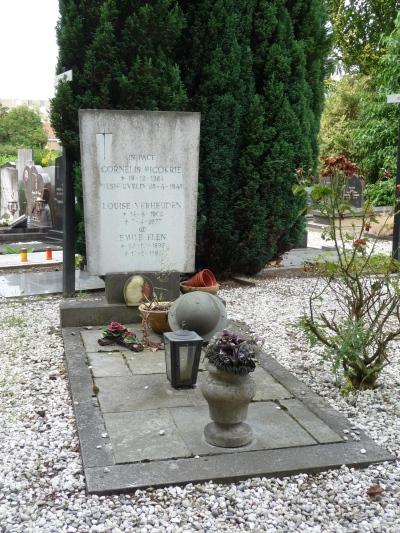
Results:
22 127
376 137
342 114
358 29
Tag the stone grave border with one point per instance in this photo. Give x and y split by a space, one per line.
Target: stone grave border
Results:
104 476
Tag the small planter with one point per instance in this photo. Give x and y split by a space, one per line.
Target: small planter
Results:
228 396
156 316
203 278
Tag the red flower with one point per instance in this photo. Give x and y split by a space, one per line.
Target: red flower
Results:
116 327
367 226
359 242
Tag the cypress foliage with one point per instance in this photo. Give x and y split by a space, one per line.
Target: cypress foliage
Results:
121 53
216 62
255 71
273 143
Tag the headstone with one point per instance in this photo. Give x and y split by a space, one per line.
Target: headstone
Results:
8 190
37 186
140 172
24 155
354 191
58 196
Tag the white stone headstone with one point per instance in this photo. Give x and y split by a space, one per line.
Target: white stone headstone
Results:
8 190
140 174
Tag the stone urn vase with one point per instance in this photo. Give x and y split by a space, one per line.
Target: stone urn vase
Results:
228 396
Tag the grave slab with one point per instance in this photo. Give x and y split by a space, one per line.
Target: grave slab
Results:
310 422
136 436
146 362
108 364
268 388
272 428
139 393
299 433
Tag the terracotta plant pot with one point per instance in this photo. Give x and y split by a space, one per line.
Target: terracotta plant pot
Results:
212 289
156 318
203 278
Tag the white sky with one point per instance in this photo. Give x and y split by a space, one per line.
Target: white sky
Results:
28 48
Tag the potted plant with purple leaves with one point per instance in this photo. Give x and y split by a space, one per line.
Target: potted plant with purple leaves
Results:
229 388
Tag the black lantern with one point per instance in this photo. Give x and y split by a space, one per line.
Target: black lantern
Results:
12 206
182 357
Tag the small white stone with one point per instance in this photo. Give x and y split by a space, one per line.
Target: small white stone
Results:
99 446
162 432
346 431
363 450
146 387
104 435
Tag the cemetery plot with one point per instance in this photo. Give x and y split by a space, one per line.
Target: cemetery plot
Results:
136 431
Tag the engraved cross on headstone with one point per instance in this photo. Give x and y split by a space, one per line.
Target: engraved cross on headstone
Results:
104 134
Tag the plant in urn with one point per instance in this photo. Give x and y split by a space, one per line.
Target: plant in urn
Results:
229 388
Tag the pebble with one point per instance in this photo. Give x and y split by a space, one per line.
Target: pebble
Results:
42 484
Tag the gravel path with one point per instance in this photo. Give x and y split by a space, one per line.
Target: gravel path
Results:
41 481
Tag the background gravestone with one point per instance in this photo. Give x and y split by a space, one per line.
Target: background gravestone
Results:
354 191
58 196
37 184
140 172
8 189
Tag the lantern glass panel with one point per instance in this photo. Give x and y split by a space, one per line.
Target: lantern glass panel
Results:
186 361
167 347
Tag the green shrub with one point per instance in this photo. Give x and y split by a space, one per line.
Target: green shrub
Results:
357 331
381 193
45 157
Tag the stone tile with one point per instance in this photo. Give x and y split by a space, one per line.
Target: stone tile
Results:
139 393
267 388
321 432
136 436
108 364
272 427
147 362
90 338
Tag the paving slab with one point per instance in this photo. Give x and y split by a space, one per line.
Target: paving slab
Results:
119 429
136 436
139 393
321 432
146 362
36 283
267 388
108 364
272 428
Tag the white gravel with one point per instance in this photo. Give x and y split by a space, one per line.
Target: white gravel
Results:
41 480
